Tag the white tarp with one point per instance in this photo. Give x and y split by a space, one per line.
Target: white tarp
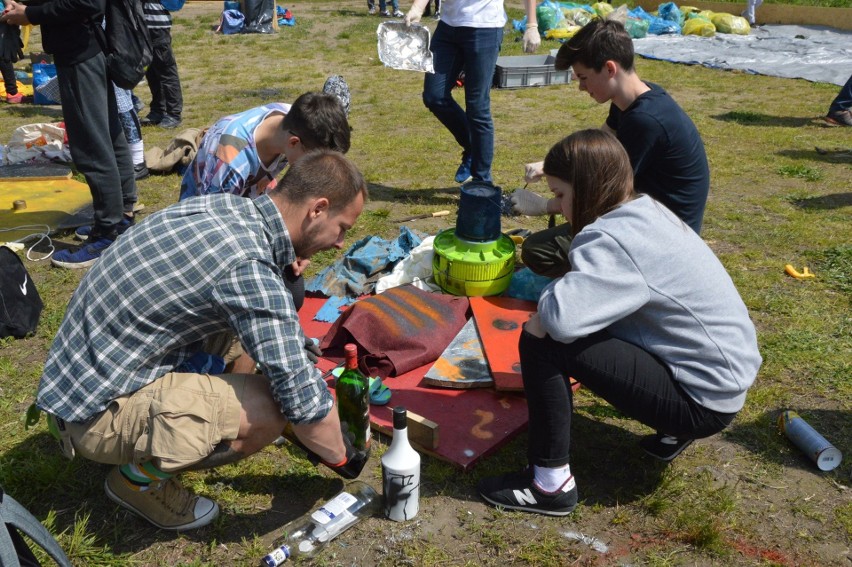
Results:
814 53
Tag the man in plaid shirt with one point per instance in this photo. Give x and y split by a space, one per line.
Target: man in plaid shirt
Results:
200 278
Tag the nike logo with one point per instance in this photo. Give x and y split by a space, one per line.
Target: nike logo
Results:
24 285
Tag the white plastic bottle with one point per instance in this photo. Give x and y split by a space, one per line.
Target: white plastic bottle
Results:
401 472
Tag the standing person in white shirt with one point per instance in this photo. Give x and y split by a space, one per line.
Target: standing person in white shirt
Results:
468 38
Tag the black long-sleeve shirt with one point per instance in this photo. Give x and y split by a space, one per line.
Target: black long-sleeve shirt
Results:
67 28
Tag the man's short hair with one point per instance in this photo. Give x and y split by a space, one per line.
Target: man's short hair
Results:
321 173
596 43
318 119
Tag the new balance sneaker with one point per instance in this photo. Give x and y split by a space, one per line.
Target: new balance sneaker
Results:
839 118
463 172
84 257
663 447
398 14
84 232
385 14
517 491
166 504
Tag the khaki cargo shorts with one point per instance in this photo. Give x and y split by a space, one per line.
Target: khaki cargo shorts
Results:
175 421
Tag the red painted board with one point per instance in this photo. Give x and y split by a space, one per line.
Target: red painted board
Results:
472 423
500 321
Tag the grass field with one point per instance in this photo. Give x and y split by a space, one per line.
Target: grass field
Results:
744 497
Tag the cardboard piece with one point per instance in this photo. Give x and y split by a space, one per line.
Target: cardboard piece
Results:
462 364
473 422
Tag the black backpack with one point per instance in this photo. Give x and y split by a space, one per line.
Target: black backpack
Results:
14 551
20 304
125 42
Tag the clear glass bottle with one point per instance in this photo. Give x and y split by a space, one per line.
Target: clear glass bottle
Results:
353 400
307 535
401 472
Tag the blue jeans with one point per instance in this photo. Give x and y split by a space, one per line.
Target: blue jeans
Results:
474 51
844 98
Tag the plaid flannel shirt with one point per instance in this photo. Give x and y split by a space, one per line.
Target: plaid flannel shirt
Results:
204 266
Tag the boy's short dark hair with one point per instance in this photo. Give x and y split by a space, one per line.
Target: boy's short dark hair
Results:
318 119
322 173
596 43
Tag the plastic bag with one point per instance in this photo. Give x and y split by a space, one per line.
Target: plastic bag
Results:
232 22
577 16
38 142
259 14
728 23
603 9
637 27
659 26
42 73
548 14
566 32
699 27
669 11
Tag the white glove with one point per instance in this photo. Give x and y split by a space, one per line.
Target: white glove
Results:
533 171
528 203
532 39
414 14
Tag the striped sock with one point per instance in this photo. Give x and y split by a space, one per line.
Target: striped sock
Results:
140 477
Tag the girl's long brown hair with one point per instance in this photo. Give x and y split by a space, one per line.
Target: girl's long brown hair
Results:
596 165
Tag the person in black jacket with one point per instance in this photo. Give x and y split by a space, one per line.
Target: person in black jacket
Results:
95 137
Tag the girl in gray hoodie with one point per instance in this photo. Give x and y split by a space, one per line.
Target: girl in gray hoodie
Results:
646 318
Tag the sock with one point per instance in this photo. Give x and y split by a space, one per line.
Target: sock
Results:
551 479
140 477
137 150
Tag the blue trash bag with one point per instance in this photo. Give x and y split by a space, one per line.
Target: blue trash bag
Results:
669 11
659 26
232 22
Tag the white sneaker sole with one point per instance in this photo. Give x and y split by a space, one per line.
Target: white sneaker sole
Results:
199 522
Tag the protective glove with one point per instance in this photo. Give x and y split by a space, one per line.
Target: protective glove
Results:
533 171
415 12
10 42
532 39
355 460
528 203
313 350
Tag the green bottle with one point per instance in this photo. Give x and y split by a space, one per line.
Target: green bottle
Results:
353 400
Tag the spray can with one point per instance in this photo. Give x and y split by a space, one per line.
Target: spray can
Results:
806 438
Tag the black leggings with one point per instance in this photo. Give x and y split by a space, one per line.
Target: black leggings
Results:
7 69
634 381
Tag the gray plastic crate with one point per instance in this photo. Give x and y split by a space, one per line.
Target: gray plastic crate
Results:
528 71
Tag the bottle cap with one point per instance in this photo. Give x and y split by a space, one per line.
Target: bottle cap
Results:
400 418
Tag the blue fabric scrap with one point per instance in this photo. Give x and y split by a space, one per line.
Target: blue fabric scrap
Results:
330 310
527 285
356 272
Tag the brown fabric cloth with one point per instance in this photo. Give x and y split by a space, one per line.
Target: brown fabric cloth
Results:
180 151
398 330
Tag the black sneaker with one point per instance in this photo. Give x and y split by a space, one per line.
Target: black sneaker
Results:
152 119
169 121
516 491
140 171
663 447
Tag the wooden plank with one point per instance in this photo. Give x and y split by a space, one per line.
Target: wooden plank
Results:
421 431
462 364
500 321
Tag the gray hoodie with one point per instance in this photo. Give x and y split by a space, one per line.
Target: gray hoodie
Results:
647 278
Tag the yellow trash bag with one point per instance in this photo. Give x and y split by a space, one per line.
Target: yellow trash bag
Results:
699 27
729 23
602 9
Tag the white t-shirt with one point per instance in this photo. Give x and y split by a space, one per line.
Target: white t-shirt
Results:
474 13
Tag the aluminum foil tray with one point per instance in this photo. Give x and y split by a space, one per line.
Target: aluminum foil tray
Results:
405 48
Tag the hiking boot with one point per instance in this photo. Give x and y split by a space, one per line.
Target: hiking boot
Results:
663 447
140 171
83 232
152 119
169 122
84 257
166 504
517 491
839 118
14 98
463 172
398 14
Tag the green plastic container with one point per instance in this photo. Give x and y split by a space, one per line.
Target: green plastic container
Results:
473 269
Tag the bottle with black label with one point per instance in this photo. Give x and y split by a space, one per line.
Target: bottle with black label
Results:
306 536
401 472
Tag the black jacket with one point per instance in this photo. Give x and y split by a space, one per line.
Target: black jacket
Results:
67 28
